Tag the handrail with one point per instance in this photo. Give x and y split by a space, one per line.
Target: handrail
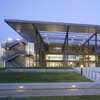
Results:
13 55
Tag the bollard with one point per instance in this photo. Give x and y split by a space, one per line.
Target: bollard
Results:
81 69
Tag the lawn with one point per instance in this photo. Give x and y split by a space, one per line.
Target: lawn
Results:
18 77
67 67
59 98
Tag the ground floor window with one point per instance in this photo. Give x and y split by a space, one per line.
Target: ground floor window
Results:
54 64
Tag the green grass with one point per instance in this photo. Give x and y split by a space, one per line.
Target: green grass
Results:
18 77
67 67
2 69
59 98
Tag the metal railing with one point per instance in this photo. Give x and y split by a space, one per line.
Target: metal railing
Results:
13 55
9 45
90 73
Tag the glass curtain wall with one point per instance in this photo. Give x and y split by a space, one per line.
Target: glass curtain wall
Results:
1 54
30 61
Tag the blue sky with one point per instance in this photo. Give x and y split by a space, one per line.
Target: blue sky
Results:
71 11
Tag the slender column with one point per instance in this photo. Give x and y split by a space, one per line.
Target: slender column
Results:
95 34
36 51
84 60
66 44
40 47
96 64
88 54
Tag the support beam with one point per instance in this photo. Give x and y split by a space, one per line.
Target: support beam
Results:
87 41
88 55
95 41
96 62
39 36
65 48
89 38
84 57
40 47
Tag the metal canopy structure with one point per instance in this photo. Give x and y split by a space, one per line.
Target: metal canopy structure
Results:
54 33
74 38
66 34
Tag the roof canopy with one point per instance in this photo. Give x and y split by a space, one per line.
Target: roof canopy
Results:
54 33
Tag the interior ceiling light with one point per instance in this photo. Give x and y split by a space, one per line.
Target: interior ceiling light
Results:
18 39
10 39
57 48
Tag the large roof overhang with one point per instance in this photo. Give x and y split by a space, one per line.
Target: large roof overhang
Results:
54 32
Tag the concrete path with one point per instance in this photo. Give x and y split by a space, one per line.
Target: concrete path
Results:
49 89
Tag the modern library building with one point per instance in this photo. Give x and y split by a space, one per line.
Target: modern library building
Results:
54 44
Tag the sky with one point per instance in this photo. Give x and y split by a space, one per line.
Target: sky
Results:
68 11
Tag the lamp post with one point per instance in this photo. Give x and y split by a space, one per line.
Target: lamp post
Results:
81 69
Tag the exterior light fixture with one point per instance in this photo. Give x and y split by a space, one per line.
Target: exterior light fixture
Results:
71 63
73 86
57 48
8 48
18 30
82 69
82 66
10 39
18 39
21 87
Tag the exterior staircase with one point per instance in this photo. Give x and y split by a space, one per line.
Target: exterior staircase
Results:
12 52
12 44
13 55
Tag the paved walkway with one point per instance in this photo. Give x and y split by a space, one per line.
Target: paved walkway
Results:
55 89
49 89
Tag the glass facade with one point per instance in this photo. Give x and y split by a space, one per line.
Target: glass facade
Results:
1 55
54 64
55 60
59 44
54 57
30 61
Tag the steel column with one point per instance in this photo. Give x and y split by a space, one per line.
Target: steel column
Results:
87 41
66 45
95 50
40 48
88 54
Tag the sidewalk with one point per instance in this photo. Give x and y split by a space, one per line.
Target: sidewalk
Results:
60 85
49 89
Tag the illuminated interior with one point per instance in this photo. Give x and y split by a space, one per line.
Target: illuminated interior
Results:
59 44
